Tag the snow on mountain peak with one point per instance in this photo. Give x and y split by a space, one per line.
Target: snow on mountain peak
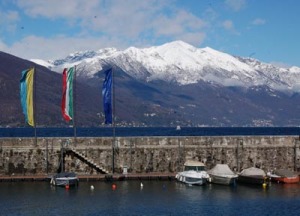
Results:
175 45
187 64
183 63
294 69
44 63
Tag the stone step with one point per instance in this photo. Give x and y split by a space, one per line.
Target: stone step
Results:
91 162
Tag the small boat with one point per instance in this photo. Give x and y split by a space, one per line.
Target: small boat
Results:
222 174
178 127
64 179
283 176
253 175
194 173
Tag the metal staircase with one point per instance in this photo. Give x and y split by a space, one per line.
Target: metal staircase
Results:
88 161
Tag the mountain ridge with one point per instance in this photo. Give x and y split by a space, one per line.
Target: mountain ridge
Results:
147 98
184 64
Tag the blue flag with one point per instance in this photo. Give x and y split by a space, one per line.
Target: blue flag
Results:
106 95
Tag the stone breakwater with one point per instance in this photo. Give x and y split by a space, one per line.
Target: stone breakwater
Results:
27 156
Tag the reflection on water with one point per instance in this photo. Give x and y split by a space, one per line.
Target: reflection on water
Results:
154 198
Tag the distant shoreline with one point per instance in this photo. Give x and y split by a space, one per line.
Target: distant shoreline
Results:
149 131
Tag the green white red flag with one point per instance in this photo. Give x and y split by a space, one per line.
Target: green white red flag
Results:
67 97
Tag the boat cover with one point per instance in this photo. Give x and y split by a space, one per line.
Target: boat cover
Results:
284 173
221 169
253 171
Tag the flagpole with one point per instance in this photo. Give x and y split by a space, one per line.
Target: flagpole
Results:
113 122
34 105
74 105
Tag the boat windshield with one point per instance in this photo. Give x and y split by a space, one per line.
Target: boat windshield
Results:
196 168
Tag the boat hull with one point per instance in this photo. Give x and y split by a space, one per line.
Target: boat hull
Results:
64 179
255 180
70 181
223 180
286 180
192 178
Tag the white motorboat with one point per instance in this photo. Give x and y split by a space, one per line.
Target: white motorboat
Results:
194 173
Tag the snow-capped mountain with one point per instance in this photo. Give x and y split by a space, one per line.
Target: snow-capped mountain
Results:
144 98
184 64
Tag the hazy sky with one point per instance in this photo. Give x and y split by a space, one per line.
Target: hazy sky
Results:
268 30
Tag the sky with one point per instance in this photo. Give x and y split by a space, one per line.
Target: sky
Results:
267 30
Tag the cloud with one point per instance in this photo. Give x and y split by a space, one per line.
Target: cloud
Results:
8 20
181 25
104 23
280 64
56 9
3 46
236 5
258 21
126 18
11 16
210 14
33 47
224 81
194 39
229 26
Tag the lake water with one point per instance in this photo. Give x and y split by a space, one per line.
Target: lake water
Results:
149 131
155 198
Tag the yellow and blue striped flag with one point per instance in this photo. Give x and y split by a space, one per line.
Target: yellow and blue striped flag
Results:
26 93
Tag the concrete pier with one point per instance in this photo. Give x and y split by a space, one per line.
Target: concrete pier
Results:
90 178
142 155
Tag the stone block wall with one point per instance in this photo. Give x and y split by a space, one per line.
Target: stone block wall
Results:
27 156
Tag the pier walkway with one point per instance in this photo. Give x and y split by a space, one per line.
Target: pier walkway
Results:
100 177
